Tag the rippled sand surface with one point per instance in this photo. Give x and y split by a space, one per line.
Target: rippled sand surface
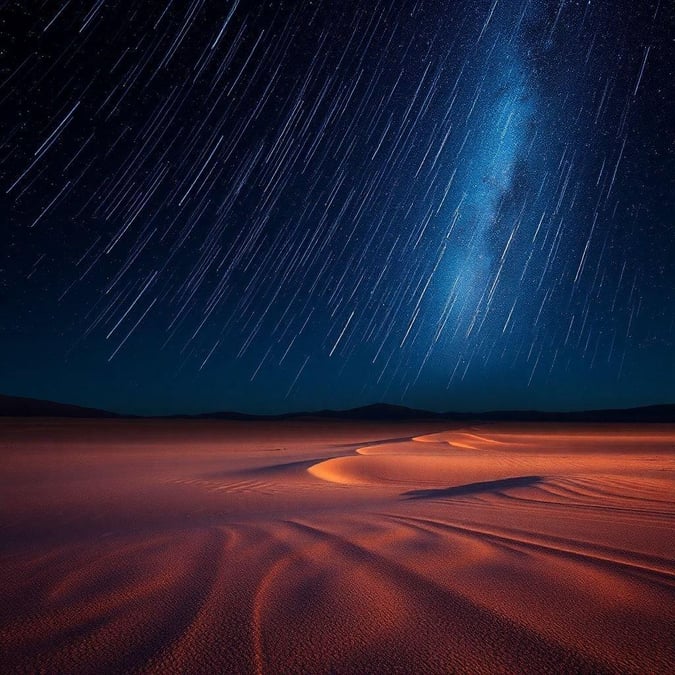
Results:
336 547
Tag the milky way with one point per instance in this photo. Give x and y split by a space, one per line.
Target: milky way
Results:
277 206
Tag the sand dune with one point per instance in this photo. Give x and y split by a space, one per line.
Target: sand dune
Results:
314 547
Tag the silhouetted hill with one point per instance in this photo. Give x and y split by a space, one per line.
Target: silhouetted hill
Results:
377 411
383 411
650 413
389 412
18 406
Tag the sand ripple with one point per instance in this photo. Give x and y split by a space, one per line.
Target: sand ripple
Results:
476 550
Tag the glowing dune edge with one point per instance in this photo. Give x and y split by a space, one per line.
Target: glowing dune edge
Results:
233 547
458 457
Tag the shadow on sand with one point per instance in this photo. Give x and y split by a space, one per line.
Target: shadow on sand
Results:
473 488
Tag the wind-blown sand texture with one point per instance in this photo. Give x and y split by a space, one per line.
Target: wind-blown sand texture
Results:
336 547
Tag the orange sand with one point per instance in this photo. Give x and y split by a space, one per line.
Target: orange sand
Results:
336 547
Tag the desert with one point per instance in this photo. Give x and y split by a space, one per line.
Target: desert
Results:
337 337
315 546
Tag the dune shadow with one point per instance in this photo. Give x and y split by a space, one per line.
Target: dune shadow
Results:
267 470
473 488
284 467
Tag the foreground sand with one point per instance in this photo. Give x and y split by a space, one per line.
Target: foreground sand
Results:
315 547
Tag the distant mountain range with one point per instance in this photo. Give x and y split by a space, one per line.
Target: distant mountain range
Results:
16 406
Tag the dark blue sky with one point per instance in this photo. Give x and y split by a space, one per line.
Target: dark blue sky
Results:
281 206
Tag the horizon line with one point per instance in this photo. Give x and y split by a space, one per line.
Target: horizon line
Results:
327 411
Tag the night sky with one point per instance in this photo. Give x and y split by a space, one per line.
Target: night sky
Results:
275 206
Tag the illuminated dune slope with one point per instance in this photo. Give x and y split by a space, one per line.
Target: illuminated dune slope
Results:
337 548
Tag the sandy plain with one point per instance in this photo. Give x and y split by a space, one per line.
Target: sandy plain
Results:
336 547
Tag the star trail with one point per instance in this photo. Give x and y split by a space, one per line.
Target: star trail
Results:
273 206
